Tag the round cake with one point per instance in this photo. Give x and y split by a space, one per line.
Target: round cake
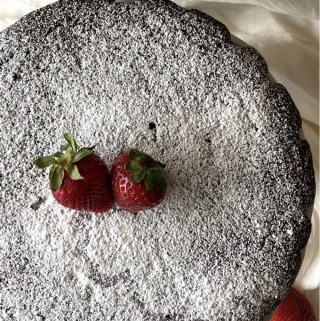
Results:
225 244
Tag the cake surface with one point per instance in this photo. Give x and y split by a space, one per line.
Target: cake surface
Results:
225 244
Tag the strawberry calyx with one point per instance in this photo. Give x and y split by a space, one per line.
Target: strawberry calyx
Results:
144 168
63 160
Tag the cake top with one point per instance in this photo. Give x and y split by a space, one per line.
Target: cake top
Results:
226 241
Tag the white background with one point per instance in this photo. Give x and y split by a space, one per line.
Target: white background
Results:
286 33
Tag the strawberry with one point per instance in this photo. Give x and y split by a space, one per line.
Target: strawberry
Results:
78 178
138 181
294 307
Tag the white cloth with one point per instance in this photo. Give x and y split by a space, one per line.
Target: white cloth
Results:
286 33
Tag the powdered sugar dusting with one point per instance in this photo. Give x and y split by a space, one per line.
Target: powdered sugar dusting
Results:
240 178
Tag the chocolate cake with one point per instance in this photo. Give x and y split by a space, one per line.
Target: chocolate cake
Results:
225 244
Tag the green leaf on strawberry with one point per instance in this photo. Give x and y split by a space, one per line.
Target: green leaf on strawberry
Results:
64 160
71 142
73 172
45 161
82 153
56 177
144 168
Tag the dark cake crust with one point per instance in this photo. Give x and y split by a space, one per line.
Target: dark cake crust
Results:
226 244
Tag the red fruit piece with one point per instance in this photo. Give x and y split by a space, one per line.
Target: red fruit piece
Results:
294 307
78 178
138 181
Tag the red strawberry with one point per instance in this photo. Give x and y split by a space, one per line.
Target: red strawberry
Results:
294 307
78 178
138 181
